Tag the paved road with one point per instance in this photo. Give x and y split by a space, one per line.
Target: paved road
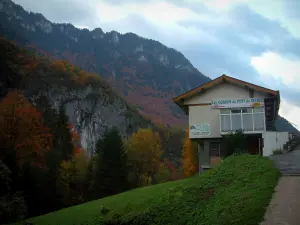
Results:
284 208
289 163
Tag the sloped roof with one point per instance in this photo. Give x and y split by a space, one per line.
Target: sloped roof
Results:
223 78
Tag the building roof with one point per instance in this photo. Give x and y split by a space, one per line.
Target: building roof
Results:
224 78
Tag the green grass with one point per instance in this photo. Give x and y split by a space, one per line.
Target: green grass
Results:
236 192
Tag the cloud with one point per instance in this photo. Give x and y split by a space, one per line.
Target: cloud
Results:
222 5
77 12
281 73
163 14
286 12
272 65
258 41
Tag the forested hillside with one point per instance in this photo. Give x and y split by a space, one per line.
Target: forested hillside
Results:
63 134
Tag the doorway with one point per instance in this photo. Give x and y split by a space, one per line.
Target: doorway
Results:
214 153
254 144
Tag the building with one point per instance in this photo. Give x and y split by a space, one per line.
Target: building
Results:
225 105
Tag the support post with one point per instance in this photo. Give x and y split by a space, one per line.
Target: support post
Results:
259 150
200 169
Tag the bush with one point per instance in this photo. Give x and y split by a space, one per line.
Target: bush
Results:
4 178
235 143
277 151
12 208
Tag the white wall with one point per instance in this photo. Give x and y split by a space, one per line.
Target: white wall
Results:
274 140
204 114
221 91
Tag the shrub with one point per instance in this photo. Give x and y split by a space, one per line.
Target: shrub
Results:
277 151
235 143
12 208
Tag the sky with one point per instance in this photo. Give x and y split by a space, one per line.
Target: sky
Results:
253 40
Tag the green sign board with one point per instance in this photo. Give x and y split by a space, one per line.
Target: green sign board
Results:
199 130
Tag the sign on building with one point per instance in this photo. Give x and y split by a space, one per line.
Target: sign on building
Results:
234 103
199 130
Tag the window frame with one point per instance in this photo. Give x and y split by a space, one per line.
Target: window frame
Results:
252 113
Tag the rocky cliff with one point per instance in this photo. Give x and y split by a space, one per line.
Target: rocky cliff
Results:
89 101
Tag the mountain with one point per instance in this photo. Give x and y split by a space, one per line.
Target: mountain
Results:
90 102
145 71
284 125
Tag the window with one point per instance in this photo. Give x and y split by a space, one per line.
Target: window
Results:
236 121
226 123
236 111
258 121
247 119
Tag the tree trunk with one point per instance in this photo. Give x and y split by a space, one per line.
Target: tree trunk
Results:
153 180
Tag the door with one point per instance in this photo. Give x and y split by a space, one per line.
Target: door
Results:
214 153
253 144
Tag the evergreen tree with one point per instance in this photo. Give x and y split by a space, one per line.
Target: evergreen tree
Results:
63 136
62 149
111 162
58 123
51 198
50 119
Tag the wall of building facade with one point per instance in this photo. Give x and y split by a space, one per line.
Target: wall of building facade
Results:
201 113
274 140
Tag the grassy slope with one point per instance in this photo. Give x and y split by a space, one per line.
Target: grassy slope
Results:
237 192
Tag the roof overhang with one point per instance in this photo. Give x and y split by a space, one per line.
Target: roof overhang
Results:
179 100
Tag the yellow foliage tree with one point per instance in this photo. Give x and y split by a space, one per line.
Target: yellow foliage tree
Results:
72 175
190 159
144 154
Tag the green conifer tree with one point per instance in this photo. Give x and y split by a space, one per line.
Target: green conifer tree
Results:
111 165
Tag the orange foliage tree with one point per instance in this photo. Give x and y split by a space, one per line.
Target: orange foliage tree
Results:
22 132
190 157
174 172
168 171
60 64
75 73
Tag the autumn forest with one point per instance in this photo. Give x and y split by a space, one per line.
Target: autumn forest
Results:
42 163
